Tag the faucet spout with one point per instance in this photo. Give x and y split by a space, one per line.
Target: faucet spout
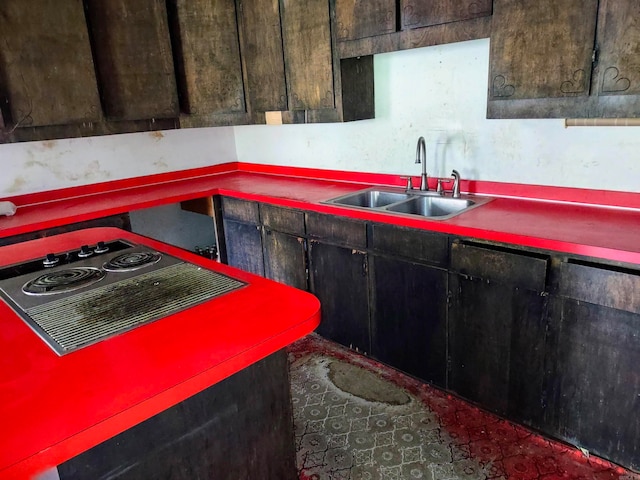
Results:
421 157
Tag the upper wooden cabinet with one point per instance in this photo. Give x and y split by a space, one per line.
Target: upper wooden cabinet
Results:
364 18
548 59
205 37
424 13
263 59
132 50
618 67
47 75
287 51
306 35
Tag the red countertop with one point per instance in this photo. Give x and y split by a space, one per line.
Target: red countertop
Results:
603 224
54 407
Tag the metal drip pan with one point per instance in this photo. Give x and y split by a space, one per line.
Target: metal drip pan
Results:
82 319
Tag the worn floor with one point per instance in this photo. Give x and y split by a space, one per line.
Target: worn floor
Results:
356 419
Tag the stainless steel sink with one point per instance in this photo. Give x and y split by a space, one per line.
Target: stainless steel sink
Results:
370 198
433 206
417 203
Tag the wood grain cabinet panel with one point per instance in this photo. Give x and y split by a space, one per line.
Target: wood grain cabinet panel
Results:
364 18
541 49
619 55
47 76
134 60
339 278
409 317
497 330
594 377
306 35
205 35
262 52
424 13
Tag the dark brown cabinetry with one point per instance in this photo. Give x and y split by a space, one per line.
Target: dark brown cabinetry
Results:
364 18
133 56
47 76
568 58
420 13
550 342
409 301
338 276
596 347
208 65
242 235
497 329
211 434
288 54
285 245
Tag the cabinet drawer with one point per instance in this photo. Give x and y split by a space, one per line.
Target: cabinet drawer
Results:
601 285
240 210
338 230
282 219
526 270
410 243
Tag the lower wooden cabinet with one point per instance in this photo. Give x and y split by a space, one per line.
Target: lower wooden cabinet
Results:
285 258
549 342
238 428
339 278
594 376
243 242
408 317
497 330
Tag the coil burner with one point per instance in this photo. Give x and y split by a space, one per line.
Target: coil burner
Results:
130 261
62 281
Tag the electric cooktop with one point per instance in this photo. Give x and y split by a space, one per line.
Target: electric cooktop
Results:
76 298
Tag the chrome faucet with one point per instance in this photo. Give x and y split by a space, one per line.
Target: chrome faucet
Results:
456 184
421 157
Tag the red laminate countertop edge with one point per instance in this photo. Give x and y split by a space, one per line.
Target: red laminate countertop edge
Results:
596 223
56 407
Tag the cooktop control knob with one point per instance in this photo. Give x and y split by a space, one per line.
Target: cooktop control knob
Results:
101 248
85 251
51 260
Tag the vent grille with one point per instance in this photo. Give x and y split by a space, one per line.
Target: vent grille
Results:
86 318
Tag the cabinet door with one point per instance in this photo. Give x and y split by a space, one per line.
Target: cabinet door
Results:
338 277
243 244
618 40
596 328
132 49
497 330
306 35
285 258
421 13
208 62
364 18
541 48
47 76
408 321
263 57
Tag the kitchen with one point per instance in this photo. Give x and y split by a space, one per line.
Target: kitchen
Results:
438 92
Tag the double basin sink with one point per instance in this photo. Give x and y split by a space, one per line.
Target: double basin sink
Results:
430 204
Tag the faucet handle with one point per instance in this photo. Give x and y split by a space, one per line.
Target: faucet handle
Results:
409 182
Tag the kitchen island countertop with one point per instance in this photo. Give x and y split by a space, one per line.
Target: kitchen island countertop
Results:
55 407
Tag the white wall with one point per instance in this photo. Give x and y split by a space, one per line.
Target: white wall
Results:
440 92
38 166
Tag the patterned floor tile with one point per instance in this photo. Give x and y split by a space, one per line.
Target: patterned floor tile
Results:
428 435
